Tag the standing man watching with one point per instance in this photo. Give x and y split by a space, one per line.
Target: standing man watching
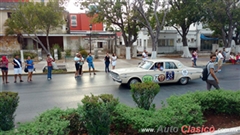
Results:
17 68
90 63
212 80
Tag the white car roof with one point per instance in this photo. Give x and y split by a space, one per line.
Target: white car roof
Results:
163 60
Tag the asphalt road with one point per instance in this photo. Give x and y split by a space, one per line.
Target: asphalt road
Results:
65 91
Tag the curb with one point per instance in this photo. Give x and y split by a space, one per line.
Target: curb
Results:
68 72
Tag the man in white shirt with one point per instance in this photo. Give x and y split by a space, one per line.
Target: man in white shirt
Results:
144 55
220 61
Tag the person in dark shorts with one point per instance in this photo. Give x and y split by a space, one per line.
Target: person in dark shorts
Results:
4 67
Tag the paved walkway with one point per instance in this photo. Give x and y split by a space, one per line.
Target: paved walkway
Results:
99 64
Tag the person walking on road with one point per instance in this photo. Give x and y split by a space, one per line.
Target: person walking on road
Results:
17 68
212 80
107 62
4 67
50 66
114 60
77 63
220 61
30 67
90 63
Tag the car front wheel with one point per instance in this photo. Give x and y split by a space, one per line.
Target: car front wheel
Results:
183 80
133 81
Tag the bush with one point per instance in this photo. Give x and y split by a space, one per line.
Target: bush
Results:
220 101
84 53
183 110
77 123
97 113
59 50
8 105
25 54
50 122
143 94
68 52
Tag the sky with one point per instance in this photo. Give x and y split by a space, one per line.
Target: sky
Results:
71 8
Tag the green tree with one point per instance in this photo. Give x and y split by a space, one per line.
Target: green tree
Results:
30 17
182 14
222 17
117 13
152 18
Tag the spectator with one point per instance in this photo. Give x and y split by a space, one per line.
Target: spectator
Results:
114 60
212 80
4 67
90 63
50 68
216 53
232 58
17 68
220 61
30 67
81 62
238 58
107 62
194 58
77 64
224 53
144 55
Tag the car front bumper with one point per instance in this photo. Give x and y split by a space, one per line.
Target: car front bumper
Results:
115 77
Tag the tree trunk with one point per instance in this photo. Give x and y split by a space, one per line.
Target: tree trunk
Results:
35 38
186 52
128 53
48 47
154 46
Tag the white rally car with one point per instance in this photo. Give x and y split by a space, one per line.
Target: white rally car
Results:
171 71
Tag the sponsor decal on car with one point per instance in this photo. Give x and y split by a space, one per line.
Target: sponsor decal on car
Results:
147 78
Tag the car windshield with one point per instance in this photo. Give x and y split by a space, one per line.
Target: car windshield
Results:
146 64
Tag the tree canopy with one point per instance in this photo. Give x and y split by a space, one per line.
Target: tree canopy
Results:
30 17
116 12
223 18
152 15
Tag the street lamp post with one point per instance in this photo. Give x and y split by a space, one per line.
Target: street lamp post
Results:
90 27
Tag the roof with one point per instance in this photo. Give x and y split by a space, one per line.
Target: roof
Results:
7 5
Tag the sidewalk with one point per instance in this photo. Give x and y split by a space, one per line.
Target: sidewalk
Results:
99 64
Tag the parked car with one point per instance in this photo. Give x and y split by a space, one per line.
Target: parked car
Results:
169 71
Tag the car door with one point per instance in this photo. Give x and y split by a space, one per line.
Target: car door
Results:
171 71
158 75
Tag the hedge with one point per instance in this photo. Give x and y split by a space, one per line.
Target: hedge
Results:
181 110
8 105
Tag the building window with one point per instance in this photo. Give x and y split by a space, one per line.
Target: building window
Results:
166 42
73 20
